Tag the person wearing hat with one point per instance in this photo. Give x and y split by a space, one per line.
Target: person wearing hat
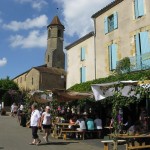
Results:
46 123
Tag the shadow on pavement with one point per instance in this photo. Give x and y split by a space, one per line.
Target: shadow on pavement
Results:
57 143
1 147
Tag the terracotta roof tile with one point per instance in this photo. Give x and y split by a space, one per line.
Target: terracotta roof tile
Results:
56 21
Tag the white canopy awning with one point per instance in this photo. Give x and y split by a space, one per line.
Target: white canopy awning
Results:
101 91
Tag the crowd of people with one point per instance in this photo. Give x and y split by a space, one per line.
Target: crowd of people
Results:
83 122
43 120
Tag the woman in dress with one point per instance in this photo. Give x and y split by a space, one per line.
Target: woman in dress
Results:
46 123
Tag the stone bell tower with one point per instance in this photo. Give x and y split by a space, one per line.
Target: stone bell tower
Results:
55 56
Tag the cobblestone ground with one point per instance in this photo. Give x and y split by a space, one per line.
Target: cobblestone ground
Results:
15 137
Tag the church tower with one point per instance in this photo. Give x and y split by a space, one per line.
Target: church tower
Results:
55 56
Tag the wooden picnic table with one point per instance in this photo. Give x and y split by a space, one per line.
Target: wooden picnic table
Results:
62 124
58 128
130 140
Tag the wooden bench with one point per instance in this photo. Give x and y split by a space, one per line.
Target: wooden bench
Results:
107 142
137 147
64 132
82 133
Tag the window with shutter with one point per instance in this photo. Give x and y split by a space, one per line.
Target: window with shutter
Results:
111 22
139 8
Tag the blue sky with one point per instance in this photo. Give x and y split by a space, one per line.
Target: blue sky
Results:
23 29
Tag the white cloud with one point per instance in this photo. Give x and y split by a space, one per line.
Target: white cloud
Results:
35 39
77 14
3 62
36 4
27 24
39 5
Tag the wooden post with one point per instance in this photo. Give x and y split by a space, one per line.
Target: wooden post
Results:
105 146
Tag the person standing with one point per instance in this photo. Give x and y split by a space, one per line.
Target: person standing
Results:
46 123
35 123
14 109
0 107
19 113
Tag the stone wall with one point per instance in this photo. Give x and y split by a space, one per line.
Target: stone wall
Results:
33 80
50 81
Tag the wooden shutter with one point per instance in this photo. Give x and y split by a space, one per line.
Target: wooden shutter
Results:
138 53
145 49
115 20
82 53
136 8
140 8
83 74
106 25
110 57
114 56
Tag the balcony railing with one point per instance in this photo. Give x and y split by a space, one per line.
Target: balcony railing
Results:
139 63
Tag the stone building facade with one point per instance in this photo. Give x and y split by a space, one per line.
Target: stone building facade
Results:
52 74
121 29
80 60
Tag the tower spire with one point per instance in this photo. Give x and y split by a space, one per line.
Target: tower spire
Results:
54 54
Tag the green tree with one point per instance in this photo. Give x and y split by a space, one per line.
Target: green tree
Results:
7 84
123 66
8 91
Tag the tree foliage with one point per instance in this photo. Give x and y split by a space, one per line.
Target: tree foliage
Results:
8 91
7 84
138 76
123 66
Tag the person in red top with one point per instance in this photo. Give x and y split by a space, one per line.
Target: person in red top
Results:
72 122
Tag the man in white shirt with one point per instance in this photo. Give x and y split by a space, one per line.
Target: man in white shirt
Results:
35 123
81 124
